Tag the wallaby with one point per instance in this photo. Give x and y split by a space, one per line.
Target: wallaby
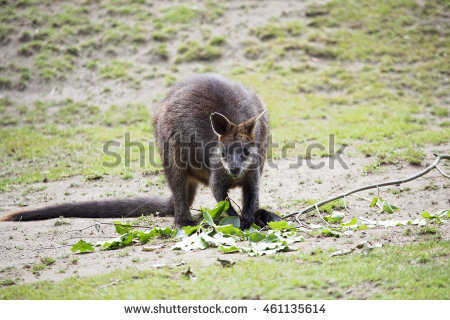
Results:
208 130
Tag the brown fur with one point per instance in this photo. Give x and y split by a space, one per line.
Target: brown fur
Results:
183 114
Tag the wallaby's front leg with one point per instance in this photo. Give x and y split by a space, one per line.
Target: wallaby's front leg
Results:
219 188
250 190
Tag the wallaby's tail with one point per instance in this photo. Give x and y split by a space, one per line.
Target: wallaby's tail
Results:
97 209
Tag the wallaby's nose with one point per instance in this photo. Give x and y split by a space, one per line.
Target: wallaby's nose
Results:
235 171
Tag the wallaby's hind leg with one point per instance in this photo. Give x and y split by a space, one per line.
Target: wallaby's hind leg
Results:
263 217
179 186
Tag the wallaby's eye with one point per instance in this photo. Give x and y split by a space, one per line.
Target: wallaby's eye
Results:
223 152
246 151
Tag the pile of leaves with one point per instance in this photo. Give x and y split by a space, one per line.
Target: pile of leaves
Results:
213 231
216 231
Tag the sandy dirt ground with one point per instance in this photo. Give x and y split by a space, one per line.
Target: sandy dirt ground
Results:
25 243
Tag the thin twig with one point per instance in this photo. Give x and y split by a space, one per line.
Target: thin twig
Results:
318 211
87 237
124 225
49 248
367 199
345 206
444 174
439 157
79 230
302 225
240 211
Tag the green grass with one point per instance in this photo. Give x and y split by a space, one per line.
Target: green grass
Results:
179 14
194 51
41 141
116 69
342 71
160 51
418 271
164 34
122 32
272 31
5 31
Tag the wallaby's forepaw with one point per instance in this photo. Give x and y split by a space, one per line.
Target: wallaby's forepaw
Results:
263 217
246 222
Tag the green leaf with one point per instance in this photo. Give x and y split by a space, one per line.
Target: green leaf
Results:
191 243
334 217
279 225
229 249
337 216
121 229
443 214
218 209
127 238
164 233
331 232
264 248
190 230
82 246
389 208
290 237
145 236
250 230
272 238
256 237
350 223
234 221
374 202
180 234
362 227
230 230
208 218
426 215
221 239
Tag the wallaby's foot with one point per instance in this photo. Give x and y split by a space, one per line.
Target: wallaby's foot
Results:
180 223
246 222
263 217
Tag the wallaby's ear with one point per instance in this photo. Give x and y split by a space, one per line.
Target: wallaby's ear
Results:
220 124
250 124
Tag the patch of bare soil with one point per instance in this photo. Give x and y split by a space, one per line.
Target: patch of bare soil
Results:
25 243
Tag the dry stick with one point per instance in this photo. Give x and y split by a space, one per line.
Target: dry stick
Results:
235 204
444 174
318 211
124 225
92 237
378 185
50 248
367 199
79 230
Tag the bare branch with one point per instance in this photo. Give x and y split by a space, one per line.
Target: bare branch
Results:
434 165
124 225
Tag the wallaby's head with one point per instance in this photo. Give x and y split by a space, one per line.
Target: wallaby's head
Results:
238 149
